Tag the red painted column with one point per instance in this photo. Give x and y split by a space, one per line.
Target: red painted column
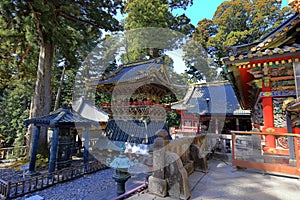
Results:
267 103
268 120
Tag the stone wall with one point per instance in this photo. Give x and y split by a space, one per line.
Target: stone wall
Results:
173 162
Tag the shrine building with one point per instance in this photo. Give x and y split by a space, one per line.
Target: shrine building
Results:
135 107
211 107
265 76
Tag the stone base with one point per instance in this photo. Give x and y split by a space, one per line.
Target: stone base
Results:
292 162
189 167
32 173
157 186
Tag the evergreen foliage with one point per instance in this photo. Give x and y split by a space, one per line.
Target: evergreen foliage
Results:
153 18
14 106
235 22
38 35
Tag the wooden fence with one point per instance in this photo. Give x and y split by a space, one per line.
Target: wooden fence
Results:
248 152
9 190
13 152
19 152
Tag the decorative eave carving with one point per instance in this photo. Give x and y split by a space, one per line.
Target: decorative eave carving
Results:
295 5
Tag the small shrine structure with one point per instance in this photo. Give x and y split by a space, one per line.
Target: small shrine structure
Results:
64 122
211 107
136 109
265 76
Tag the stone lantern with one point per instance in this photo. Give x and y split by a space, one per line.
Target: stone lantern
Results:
121 175
61 121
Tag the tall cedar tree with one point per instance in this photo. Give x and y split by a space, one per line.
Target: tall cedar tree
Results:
153 13
55 27
153 29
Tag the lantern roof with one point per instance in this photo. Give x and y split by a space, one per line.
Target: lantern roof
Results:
89 110
64 116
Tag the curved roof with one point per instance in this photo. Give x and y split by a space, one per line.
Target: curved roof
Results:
62 117
284 39
89 110
140 73
211 98
133 71
244 68
134 131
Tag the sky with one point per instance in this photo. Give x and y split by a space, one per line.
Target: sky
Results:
199 10
205 9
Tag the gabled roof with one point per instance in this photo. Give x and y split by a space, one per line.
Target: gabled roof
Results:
282 40
138 74
89 110
133 71
211 98
62 117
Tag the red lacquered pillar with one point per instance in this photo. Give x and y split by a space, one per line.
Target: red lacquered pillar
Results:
267 103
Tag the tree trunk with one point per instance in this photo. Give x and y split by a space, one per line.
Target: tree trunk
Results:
59 88
42 95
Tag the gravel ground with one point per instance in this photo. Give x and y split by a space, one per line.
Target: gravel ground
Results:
11 175
79 189
97 184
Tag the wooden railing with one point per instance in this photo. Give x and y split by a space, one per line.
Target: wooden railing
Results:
248 152
9 190
181 148
206 143
12 152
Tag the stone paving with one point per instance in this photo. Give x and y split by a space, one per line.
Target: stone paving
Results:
226 182
221 182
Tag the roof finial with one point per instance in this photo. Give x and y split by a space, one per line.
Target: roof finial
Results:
65 105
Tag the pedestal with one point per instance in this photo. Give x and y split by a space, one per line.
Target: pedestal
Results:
121 177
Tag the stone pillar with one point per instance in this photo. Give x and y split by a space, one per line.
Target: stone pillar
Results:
217 126
157 182
34 146
237 122
199 158
177 177
290 139
86 146
53 150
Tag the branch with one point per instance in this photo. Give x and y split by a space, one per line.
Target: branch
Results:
38 24
24 54
77 20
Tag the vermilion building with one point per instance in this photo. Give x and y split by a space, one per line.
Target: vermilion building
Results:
266 77
211 107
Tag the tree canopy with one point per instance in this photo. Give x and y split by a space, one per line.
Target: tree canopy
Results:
235 22
153 14
61 31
